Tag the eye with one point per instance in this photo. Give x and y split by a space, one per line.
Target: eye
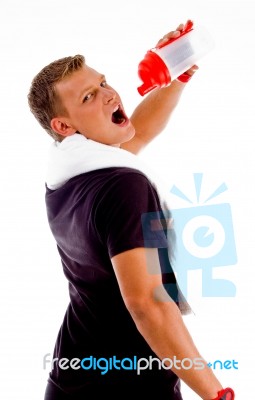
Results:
103 84
87 97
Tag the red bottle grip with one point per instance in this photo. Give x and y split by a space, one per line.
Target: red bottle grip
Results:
184 78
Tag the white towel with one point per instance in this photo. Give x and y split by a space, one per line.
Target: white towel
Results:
76 155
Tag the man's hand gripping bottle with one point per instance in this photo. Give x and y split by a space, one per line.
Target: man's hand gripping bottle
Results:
169 60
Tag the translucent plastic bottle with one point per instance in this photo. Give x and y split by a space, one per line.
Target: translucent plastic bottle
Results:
171 59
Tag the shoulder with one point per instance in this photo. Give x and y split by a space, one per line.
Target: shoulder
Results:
126 194
127 185
113 181
128 179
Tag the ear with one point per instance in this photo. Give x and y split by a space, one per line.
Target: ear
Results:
62 127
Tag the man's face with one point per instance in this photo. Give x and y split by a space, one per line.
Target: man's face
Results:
94 108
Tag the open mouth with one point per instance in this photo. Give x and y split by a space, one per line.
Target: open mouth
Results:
118 116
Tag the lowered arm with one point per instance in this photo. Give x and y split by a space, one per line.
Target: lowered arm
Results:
158 318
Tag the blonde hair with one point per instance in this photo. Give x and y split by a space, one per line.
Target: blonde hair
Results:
43 98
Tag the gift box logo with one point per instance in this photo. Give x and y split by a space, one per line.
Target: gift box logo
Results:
204 240
199 237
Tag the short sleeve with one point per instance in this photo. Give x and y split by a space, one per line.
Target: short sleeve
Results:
127 212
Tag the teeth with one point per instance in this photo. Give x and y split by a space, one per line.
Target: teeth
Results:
116 108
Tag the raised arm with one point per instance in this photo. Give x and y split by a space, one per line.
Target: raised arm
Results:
158 318
153 113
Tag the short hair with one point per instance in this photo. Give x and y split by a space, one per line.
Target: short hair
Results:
43 99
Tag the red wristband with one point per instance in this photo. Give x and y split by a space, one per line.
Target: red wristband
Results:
225 394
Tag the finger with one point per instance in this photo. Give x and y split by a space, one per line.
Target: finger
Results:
187 75
168 36
192 70
180 27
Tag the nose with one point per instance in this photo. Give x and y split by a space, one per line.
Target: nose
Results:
109 95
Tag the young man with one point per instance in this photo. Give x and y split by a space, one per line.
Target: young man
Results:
123 332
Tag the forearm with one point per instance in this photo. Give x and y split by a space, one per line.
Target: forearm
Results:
152 115
164 330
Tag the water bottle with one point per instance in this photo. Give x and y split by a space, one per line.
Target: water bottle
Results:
164 63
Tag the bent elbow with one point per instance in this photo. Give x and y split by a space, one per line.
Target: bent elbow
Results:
138 308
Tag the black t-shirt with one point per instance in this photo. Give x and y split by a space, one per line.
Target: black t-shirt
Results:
93 217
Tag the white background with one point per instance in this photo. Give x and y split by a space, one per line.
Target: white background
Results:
210 132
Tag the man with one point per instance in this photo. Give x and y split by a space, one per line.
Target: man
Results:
123 328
